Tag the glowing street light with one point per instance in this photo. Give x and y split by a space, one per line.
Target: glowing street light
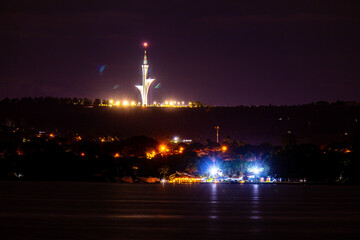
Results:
162 148
255 170
213 171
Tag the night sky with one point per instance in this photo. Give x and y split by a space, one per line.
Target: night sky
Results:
217 52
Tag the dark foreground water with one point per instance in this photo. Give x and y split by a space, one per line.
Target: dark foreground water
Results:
58 210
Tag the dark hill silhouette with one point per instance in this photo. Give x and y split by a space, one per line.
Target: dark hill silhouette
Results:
312 123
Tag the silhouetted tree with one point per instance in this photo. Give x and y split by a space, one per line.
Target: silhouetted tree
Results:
97 102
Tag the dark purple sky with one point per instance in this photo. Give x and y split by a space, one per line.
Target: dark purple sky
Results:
217 52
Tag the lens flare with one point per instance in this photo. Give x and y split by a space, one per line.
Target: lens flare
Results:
101 69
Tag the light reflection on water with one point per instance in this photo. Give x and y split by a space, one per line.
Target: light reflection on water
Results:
213 201
57 210
142 216
255 206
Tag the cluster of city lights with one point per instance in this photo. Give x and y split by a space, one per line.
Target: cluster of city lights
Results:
124 103
129 103
174 103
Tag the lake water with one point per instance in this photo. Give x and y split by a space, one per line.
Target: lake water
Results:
66 210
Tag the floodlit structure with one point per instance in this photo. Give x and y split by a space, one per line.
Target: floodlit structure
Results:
146 82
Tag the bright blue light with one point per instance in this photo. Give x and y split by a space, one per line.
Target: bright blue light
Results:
255 170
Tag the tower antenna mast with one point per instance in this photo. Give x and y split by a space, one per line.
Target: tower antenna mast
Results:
217 134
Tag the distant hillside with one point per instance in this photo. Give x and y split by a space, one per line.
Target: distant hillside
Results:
316 123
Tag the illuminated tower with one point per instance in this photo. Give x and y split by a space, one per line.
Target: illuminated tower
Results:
146 82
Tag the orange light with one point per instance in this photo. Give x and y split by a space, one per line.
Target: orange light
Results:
162 148
116 155
145 44
224 148
82 154
181 149
51 135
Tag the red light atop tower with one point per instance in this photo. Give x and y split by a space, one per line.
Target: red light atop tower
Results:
145 44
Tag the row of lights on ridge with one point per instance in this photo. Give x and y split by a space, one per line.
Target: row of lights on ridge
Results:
126 103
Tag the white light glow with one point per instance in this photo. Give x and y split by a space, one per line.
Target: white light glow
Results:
255 170
213 171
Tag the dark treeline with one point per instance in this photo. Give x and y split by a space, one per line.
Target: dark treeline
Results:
99 102
54 100
30 155
318 123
